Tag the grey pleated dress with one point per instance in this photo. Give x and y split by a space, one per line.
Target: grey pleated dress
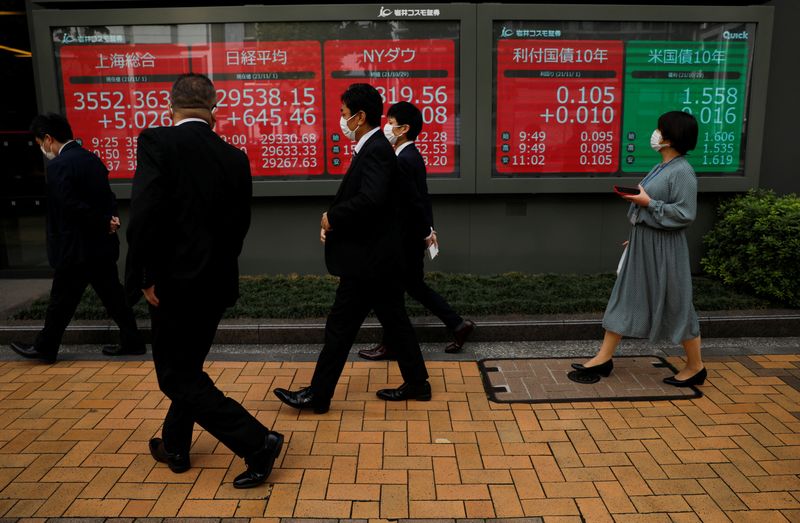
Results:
652 297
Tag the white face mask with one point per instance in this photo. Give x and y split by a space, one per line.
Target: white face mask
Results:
387 131
351 134
655 141
47 154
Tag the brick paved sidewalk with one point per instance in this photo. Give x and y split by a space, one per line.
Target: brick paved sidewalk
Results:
74 437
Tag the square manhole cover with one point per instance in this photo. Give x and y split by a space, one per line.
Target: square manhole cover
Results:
544 380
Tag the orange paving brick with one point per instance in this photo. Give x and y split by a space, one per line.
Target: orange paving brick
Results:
366 510
614 496
549 507
82 508
137 509
83 427
593 509
59 502
436 509
282 498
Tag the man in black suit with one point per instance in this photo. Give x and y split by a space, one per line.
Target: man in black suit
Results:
360 231
404 123
190 211
82 243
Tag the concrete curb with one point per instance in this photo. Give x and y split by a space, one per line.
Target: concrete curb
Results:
717 325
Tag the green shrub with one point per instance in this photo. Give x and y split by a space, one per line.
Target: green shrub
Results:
755 246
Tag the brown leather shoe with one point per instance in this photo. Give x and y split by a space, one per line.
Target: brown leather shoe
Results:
460 336
378 353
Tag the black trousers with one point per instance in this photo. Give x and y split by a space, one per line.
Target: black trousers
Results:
355 298
69 283
183 331
415 286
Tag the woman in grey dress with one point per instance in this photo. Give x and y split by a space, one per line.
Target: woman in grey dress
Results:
652 296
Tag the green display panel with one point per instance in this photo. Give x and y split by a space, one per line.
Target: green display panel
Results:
706 79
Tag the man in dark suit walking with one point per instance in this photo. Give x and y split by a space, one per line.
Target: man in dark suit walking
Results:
404 123
362 246
82 243
190 211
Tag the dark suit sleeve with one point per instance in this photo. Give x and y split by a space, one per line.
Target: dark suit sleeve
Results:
147 223
421 177
373 192
415 203
76 206
242 210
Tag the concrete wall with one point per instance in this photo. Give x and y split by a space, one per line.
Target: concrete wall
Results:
480 235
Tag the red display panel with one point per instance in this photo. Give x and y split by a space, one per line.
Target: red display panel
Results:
112 92
269 103
558 106
418 71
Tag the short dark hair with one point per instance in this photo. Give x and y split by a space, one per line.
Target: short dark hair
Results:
364 97
193 91
53 124
680 129
407 113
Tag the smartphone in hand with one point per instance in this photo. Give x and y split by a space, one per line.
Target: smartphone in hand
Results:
621 189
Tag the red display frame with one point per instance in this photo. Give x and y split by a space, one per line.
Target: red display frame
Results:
574 90
112 92
424 76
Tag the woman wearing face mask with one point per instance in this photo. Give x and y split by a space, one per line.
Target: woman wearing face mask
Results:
652 297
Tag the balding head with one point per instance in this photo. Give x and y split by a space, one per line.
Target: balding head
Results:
193 96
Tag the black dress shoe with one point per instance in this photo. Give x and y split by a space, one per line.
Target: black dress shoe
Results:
460 336
419 392
177 463
29 351
259 465
697 379
604 369
118 350
303 399
378 353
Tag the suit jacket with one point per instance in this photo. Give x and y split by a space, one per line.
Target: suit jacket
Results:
80 204
416 212
365 239
190 212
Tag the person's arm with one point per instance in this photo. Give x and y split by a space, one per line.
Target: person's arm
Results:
147 224
415 201
242 210
681 207
373 192
75 204
422 188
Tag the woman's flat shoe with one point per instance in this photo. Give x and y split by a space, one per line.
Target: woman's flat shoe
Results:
604 369
697 379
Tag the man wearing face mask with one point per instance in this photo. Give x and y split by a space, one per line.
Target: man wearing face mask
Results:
362 246
82 243
190 212
402 128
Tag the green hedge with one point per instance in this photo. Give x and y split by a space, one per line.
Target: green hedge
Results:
296 296
755 246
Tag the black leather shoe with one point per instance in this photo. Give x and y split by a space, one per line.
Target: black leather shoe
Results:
29 351
460 336
177 463
259 465
421 392
604 369
303 399
381 352
117 350
697 379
